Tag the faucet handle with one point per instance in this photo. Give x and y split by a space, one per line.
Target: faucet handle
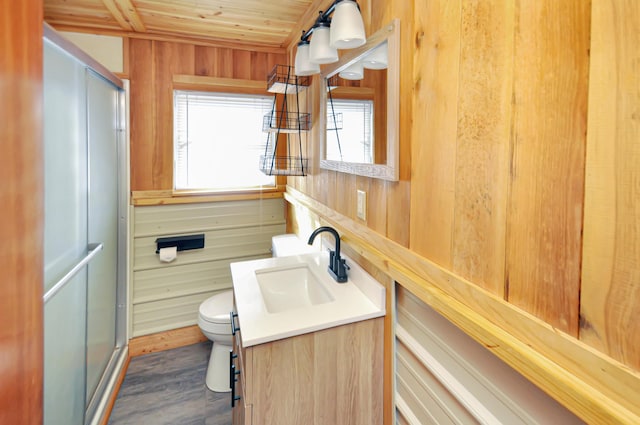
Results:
341 269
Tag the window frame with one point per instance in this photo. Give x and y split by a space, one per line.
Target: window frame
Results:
220 85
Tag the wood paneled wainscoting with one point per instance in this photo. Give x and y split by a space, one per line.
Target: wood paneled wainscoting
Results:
166 296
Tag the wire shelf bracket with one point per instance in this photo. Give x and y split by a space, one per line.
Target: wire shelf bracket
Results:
287 159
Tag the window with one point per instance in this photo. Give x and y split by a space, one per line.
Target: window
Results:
353 139
218 141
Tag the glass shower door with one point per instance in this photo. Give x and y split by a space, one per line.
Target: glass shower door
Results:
84 239
65 239
102 101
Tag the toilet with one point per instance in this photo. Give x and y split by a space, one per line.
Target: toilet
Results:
214 322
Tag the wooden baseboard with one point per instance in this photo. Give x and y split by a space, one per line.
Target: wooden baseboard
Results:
167 340
116 390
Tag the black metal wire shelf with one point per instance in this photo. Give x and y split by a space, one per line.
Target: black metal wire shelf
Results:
286 159
283 165
286 122
283 80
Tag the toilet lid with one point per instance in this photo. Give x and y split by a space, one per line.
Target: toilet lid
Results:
217 308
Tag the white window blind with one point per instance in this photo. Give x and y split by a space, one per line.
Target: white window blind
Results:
356 135
218 140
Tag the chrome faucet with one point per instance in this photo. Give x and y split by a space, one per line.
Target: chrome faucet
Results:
337 265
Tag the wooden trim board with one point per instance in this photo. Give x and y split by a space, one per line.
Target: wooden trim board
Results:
167 340
168 197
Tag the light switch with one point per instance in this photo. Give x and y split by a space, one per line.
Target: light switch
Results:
361 211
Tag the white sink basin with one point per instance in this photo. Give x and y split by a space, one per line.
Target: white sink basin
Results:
282 297
291 287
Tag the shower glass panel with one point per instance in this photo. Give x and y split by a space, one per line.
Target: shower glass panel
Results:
102 101
64 354
65 238
65 165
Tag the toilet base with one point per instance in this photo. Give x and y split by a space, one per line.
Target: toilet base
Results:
218 370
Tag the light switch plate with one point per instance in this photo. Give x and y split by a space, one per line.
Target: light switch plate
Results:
361 210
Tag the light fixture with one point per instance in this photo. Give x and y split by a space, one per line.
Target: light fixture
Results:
347 27
344 31
354 71
319 49
377 59
303 66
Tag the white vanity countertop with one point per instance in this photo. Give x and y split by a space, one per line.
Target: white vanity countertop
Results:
360 298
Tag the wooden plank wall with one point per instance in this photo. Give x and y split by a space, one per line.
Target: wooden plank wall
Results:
22 224
610 301
387 201
544 220
498 143
504 104
152 65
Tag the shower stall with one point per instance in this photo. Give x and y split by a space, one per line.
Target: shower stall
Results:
85 237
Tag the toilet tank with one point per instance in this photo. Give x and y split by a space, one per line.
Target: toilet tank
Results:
291 244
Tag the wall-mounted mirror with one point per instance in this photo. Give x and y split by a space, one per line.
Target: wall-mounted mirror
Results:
359 108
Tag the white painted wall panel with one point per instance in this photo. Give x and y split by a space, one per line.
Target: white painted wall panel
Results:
401 420
171 282
106 49
443 375
236 244
166 296
186 218
428 400
171 313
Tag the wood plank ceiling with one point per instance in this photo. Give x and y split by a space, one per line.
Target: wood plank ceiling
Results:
272 23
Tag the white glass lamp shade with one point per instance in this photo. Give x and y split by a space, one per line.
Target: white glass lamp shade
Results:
377 59
347 27
353 72
303 66
319 49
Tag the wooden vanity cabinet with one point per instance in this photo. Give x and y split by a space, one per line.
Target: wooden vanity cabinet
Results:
329 377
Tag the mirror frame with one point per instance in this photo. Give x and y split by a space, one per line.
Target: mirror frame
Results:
390 170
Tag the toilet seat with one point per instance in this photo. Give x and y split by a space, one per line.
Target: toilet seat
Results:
216 309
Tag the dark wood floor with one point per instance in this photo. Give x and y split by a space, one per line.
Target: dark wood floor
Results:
168 388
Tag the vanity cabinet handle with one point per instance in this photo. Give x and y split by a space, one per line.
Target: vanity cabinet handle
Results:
232 378
231 367
234 397
232 321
